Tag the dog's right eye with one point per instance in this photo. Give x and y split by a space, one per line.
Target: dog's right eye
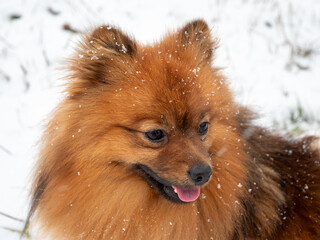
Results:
156 135
203 128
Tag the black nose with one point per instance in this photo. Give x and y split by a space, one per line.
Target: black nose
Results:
200 174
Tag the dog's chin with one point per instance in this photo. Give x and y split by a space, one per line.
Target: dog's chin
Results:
166 189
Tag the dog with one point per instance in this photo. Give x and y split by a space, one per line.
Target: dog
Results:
150 144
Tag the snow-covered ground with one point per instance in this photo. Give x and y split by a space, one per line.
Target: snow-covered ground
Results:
269 49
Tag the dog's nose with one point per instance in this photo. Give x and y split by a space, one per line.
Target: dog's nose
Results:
200 174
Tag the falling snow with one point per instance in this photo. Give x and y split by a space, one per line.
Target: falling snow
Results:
94 58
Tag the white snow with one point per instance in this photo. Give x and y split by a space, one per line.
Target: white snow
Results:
269 51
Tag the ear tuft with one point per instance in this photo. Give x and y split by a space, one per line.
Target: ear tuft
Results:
196 35
101 58
113 39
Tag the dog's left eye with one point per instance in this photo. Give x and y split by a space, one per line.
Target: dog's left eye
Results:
156 135
203 128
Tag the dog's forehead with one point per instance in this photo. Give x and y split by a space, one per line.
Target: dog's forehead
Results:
175 99
168 89
171 76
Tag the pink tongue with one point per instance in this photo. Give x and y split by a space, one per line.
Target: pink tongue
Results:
187 195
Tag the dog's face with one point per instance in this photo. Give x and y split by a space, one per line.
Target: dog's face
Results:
160 110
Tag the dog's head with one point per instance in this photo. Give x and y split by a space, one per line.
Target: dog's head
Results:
161 110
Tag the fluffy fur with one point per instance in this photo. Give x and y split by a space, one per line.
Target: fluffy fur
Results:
86 184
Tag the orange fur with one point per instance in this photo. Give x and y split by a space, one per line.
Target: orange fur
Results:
84 186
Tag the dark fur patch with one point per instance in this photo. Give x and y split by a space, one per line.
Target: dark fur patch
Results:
36 198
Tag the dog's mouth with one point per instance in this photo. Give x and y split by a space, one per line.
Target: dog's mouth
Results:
176 194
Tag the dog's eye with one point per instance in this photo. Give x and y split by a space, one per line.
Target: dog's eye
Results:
156 135
203 128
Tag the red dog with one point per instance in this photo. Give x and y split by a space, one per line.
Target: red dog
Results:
149 144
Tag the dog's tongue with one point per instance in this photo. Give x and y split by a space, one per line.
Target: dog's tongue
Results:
187 195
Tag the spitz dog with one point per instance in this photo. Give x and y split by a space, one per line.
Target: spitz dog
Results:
150 144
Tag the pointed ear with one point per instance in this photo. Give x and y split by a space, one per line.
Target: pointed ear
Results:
113 40
100 57
196 36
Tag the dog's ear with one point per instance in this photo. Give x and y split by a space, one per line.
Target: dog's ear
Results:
195 36
112 40
100 57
